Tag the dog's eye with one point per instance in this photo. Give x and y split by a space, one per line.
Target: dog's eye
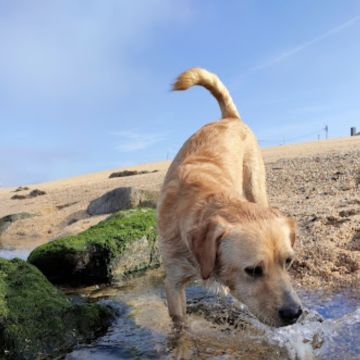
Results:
288 262
254 271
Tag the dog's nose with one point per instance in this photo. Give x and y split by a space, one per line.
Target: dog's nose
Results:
289 314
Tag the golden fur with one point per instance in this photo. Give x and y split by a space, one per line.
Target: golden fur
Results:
214 218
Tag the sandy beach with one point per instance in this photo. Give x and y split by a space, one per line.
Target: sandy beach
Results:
318 183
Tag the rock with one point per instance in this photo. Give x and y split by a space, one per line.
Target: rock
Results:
18 197
21 188
63 206
294 342
122 198
332 220
32 194
122 244
36 192
7 220
39 321
349 212
130 173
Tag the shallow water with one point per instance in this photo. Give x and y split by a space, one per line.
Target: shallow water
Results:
14 253
219 328
330 305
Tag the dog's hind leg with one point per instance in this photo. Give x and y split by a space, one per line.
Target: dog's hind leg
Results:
254 184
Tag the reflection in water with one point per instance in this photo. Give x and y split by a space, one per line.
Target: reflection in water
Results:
218 328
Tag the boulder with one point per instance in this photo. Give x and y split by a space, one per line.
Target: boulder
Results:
7 220
122 198
122 244
39 321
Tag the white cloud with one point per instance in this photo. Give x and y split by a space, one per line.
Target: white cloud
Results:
133 141
291 52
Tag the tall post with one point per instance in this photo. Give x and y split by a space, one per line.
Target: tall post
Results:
352 131
326 131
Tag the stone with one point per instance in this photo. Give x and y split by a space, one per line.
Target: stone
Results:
7 220
32 194
37 320
18 197
35 193
120 245
21 188
123 198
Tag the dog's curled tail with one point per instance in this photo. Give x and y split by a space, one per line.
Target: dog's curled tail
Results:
199 76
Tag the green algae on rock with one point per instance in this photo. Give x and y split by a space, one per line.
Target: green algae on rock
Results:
39 321
121 244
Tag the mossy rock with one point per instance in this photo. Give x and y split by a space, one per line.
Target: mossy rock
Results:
37 321
122 244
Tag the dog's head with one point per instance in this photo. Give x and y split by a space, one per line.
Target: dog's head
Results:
252 258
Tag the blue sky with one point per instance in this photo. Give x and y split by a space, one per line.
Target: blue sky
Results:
84 85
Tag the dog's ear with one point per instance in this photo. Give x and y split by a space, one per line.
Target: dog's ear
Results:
292 226
291 222
204 241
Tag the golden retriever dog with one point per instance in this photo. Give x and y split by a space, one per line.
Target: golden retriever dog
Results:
214 219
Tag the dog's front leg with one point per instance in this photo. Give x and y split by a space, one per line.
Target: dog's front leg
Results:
176 300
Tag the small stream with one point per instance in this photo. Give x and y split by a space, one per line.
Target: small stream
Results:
14 253
219 328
